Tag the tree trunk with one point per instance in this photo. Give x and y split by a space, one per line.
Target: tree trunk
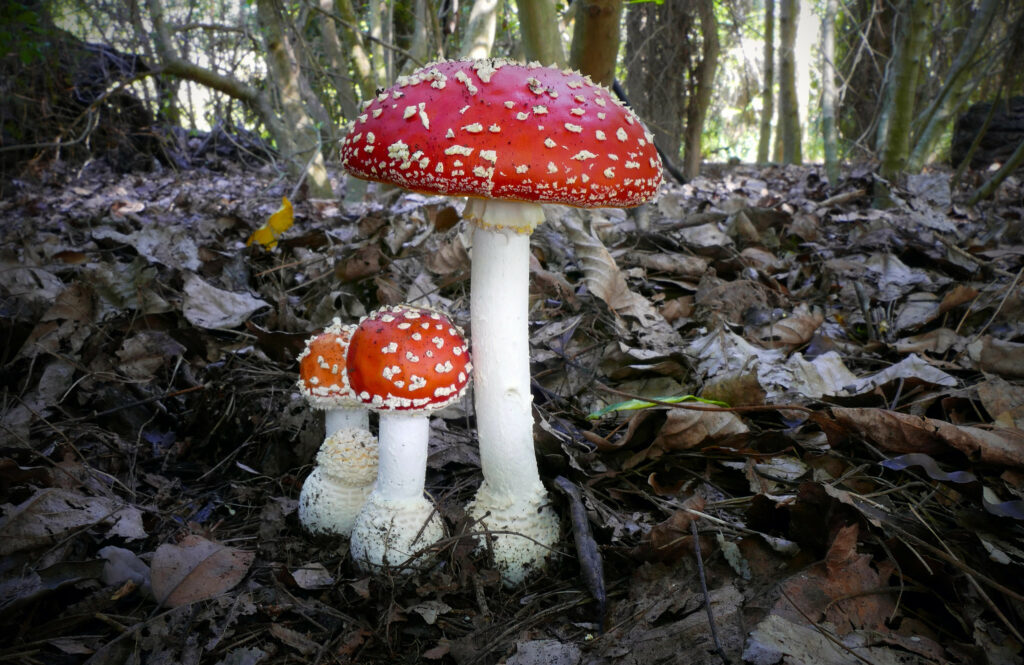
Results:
423 43
660 40
366 78
595 39
542 39
478 39
828 92
380 30
337 61
701 86
789 107
955 91
298 137
904 88
768 92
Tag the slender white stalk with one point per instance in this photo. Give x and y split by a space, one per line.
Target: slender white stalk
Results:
397 520
339 418
403 455
499 306
512 497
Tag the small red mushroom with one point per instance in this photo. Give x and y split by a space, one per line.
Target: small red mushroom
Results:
403 362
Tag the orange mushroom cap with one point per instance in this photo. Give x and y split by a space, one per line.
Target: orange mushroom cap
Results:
503 130
408 358
322 376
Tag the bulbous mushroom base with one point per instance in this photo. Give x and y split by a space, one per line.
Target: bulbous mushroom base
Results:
387 533
532 520
327 506
336 490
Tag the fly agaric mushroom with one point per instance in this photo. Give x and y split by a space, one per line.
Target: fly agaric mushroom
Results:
324 382
403 362
509 136
335 491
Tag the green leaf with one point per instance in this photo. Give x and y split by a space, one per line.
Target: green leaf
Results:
634 404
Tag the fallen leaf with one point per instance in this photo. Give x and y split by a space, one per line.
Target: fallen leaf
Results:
998 356
207 306
671 539
50 514
276 224
905 433
196 569
294 639
689 428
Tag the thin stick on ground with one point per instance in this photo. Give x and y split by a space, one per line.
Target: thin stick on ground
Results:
707 597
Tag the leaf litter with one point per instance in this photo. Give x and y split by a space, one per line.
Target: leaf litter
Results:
858 500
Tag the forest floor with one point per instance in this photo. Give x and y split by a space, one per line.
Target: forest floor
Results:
863 505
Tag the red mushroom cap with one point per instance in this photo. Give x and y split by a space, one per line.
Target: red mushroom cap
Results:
408 358
503 130
322 377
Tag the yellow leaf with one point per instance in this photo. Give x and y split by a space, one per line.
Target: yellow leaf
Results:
277 224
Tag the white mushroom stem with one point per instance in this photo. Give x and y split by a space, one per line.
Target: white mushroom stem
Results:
402 455
397 520
512 497
337 419
499 305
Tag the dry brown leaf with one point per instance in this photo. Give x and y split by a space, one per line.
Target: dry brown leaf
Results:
939 340
671 539
450 257
294 639
603 277
791 332
998 356
50 514
1004 401
196 569
904 433
960 294
689 428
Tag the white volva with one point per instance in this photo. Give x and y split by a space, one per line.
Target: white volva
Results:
511 498
335 491
397 520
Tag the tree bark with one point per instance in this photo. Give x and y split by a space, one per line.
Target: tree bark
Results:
298 138
702 85
904 88
768 91
478 39
542 39
955 91
595 39
789 107
366 78
828 92
335 51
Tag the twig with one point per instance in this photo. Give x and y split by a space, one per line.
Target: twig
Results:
707 597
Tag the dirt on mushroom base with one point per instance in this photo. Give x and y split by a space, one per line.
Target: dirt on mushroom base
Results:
150 430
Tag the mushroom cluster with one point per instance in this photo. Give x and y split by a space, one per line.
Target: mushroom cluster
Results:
403 362
509 136
334 493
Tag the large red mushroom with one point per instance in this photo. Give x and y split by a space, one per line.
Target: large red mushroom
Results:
510 137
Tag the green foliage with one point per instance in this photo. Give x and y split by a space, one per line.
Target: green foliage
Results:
22 33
